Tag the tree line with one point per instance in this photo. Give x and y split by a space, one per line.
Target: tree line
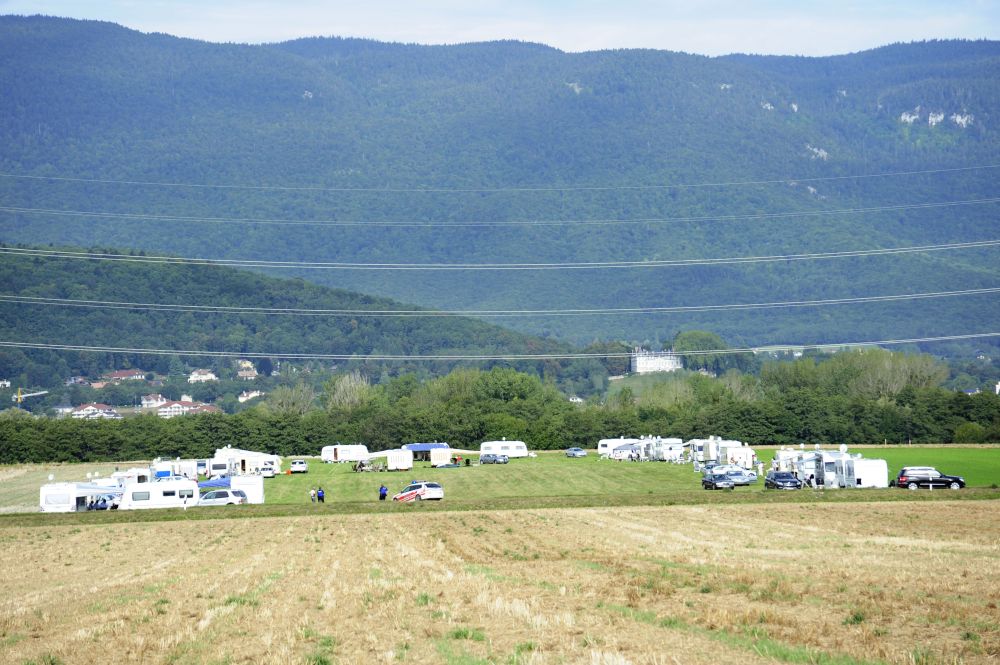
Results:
854 397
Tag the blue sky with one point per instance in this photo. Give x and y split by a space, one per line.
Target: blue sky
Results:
711 27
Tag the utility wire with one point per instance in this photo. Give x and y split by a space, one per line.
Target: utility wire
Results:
407 313
485 190
540 222
499 356
652 263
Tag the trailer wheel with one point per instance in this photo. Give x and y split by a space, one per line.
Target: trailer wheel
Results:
911 486
420 498
955 486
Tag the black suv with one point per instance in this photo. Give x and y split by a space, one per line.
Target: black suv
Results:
915 477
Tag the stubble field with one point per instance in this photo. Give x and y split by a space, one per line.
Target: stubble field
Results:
900 582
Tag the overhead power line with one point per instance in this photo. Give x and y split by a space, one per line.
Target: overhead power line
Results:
266 221
596 265
486 190
408 313
498 356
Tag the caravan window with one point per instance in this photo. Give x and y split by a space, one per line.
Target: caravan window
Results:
140 496
187 494
169 493
56 499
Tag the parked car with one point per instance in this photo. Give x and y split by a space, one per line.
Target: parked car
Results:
267 471
420 490
742 477
576 452
223 498
299 466
717 481
781 480
915 477
490 458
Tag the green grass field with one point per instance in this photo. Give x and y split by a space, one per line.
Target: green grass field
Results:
549 479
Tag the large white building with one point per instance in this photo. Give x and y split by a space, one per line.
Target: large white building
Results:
644 362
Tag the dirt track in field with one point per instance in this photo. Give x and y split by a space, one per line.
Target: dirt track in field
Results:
897 583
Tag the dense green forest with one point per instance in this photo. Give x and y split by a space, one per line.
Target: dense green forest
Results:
164 314
347 150
854 397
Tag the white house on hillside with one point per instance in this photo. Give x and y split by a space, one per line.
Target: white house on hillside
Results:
202 375
94 411
152 401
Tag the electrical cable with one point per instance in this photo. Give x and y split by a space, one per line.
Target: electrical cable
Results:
487 190
265 221
652 263
408 313
525 357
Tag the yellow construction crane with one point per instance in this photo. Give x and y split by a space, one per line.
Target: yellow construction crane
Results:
21 396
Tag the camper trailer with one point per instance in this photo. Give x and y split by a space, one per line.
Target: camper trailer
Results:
735 452
511 449
344 453
172 493
628 451
177 467
72 497
440 456
252 486
827 468
402 460
859 472
230 461
606 446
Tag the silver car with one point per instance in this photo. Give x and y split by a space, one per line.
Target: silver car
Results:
223 498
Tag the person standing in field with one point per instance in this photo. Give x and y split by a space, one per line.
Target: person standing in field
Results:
382 492
312 494
320 495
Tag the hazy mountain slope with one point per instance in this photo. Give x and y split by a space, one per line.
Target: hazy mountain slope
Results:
483 132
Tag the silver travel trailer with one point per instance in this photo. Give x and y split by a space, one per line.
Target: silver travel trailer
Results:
606 446
354 452
73 497
858 472
828 471
166 493
511 449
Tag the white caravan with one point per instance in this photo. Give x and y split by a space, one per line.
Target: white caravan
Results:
172 493
344 453
401 460
606 446
511 449
230 461
252 486
439 456
859 472
71 497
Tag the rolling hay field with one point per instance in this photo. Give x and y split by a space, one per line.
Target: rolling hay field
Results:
899 582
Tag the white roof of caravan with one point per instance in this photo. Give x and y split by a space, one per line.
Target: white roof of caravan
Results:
505 441
223 453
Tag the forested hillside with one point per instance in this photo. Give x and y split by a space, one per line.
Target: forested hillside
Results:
352 151
211 309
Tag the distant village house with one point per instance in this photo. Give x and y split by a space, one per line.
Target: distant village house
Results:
644 362
202 376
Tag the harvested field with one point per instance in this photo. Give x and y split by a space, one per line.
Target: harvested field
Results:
839 583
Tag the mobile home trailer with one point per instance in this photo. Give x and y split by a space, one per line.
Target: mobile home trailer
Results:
511 449
606 446
173 493
71 497
355 452
859 472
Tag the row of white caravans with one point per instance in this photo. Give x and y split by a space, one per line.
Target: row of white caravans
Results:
832 469
651 448
402 459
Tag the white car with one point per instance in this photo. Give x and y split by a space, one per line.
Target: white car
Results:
223 498
299 466
420 490
267 471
